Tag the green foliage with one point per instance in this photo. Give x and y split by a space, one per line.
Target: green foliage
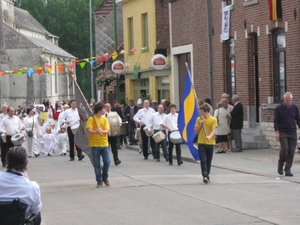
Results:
68 19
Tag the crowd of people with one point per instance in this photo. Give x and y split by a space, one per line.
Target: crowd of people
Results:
151 126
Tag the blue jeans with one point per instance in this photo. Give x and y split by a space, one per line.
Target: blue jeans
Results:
206 154
104 152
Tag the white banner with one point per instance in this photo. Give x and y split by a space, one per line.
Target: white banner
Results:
225 22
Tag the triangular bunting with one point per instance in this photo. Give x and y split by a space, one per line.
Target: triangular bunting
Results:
82 64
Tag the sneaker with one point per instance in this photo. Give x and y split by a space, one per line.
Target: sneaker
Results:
99 185
205 180
106 182
80 157
288 173
140 151
280 169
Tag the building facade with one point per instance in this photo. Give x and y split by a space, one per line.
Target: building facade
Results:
25 44
146 33
258 61
105 32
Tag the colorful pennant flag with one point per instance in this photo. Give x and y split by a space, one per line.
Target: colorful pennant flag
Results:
275 10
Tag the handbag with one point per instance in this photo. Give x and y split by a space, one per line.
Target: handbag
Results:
30 132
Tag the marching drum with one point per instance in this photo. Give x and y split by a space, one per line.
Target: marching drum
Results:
175 137
75 127
149 134
159 136
123 128
3 136
18 138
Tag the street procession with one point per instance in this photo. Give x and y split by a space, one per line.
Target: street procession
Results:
141 111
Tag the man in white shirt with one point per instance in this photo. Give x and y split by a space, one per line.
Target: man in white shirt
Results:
9 126
70 118
14 183
113 140
157 119
170 123
142 118
3 145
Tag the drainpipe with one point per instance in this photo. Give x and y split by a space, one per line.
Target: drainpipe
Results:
171 44
209 35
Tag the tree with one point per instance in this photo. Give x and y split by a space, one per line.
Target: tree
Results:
68 19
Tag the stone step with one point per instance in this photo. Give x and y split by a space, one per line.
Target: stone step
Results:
256 145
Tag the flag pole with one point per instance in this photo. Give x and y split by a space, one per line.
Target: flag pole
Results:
189 72
71 75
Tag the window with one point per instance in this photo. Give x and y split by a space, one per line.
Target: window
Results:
130 33
163 88
230 67
279 74
228 2
145 32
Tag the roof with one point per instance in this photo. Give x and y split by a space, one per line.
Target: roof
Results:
25 20
49 47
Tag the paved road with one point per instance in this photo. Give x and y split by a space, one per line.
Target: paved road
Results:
245 189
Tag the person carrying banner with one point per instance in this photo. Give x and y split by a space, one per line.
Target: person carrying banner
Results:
70 118
98 127
205 128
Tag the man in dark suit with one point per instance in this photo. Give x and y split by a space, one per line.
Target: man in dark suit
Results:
236 125
130 111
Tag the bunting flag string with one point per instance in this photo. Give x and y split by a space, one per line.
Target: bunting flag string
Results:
48 68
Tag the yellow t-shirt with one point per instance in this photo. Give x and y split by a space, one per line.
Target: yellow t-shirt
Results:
98 140
209 123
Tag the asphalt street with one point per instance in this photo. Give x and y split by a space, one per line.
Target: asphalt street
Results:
245 189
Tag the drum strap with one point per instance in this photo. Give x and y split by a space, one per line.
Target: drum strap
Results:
96 123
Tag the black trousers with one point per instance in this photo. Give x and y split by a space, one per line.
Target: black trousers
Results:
145 140
71 143
113 146
178 150
3 152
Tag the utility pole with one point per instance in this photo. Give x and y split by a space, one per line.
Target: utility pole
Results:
116 46
91 50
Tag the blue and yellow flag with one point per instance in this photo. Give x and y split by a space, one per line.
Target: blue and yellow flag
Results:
188 115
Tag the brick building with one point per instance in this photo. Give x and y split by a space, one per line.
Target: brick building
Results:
259 61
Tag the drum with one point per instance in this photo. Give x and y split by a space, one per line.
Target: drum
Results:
175 137
149 134
18 138
159 136
75 127
137 135
3 136
123 128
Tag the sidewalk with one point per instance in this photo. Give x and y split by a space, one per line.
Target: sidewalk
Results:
261 162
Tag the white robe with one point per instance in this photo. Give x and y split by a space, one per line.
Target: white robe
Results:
30 144
50 143
63 143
